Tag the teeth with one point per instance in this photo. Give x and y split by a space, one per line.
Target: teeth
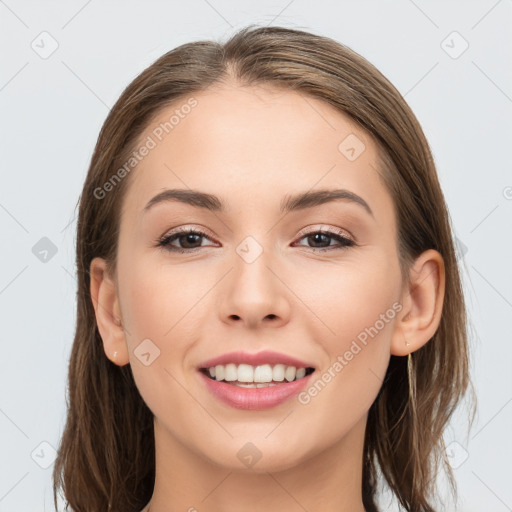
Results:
289 374
246 375
300 373
263 373
278 372
219 372
230 373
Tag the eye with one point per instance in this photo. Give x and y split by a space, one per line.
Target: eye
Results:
188 237
190 240
322 237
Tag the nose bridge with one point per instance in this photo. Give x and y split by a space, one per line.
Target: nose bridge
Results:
254 292
251 276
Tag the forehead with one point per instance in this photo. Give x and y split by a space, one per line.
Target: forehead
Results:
250 145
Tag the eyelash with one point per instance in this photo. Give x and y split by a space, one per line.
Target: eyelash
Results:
165 241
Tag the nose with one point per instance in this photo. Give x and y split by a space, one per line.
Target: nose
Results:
255 295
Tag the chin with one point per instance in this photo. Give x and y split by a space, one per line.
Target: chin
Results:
250 459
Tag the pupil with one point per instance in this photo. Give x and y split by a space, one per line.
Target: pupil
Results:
316 237
190 238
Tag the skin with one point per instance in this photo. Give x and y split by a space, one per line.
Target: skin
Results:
251 146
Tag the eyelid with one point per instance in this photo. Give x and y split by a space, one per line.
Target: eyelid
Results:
189 227
303 232
324 228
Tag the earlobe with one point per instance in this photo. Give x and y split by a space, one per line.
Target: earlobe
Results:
423 304
108 315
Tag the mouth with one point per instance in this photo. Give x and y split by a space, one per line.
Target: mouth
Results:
261 376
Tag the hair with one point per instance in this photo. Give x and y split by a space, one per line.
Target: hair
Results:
106 458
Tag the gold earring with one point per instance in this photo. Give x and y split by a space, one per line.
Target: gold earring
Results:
412 401
412 381
410 374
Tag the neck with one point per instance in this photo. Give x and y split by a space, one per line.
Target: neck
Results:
330 480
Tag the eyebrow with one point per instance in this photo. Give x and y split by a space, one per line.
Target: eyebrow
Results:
290 203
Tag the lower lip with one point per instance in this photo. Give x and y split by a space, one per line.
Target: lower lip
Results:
254 398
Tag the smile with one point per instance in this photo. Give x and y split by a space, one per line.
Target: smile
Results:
248 376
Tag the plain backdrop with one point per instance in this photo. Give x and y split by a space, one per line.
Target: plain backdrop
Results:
63 65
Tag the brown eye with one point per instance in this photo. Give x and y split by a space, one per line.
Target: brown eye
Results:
188 240
320 240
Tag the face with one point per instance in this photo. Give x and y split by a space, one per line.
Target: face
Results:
317 281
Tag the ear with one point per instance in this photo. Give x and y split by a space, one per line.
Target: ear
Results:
108 314
422 303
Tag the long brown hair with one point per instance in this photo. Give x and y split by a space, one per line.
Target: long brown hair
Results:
106 459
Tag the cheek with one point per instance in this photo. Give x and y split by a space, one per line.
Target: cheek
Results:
162 304
356 306
167 305
161 301
352 296
357 357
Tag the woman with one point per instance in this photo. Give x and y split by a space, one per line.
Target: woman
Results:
270 312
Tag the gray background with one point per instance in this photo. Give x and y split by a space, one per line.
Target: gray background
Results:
52 109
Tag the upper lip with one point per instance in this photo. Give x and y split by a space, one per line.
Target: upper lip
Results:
258 358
